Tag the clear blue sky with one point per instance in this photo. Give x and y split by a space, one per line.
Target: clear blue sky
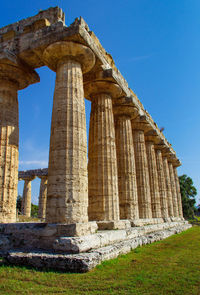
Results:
155 45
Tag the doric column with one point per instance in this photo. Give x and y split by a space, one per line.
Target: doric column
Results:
42 197
153 179
67 199
13 76
143 184
180 209
128 198
162 184
173 189
102 165
26 199
168 187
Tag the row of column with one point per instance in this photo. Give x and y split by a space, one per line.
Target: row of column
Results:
26 198
14 76
129 178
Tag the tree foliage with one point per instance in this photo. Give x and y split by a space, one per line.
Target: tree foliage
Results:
19 203
188 193
34 208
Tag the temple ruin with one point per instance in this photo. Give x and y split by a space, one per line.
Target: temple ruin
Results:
126 194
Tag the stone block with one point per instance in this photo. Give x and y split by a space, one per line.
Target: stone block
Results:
77 229
115 224
142 222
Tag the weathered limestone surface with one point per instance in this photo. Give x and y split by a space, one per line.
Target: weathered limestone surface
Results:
42 198
67 200
26 198
153 180
128 199
180 209
162 184
102 246
13 76
41 235
102 165
114 224
148 221
110 237
168 187
143 185
9 137
173 189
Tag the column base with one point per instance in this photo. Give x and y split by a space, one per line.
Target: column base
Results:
113 224
148 221
167 219
37 232
7 219
77 229
174 219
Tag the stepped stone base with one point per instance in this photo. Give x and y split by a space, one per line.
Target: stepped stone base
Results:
41 235
80 254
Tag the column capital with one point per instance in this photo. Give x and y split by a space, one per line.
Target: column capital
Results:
177 163
153 136
13 71
67 50
168 154
122 107
98 87
141 123
28 178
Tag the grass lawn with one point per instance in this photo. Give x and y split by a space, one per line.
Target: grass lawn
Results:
171 266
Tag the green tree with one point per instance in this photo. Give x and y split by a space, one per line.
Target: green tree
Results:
34 210
19 203
188 193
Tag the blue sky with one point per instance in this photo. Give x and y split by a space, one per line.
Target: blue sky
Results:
155 45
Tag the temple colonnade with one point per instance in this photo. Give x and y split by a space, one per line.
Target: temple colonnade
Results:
28 176
131 173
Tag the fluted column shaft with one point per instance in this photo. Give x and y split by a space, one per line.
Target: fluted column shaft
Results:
128 199
173 189
102 165
67 200
142 173
9 140
168 187
162 184
26 200
179 199
42 198
153 179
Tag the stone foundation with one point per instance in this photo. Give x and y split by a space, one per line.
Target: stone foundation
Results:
40 235
77 254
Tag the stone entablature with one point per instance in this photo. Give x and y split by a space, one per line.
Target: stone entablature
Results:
32 173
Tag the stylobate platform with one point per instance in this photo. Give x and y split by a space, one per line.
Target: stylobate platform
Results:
81 254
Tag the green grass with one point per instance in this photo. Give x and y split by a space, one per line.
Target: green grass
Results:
171 266
22 218
195 220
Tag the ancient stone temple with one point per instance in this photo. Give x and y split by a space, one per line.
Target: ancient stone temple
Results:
125 194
